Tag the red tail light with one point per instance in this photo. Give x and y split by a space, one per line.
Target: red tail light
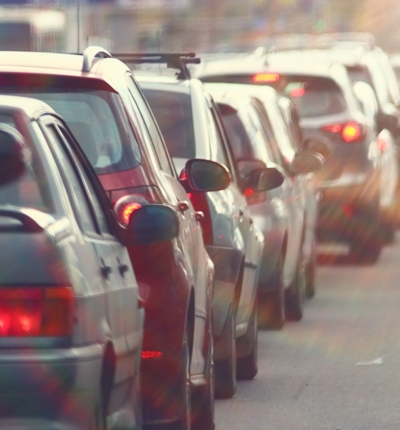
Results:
298 92
36 312
266 77
149 355
254 197
349 132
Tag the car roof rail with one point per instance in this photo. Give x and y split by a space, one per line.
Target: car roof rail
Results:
92 52
173 60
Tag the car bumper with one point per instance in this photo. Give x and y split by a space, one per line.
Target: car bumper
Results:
49 390
342 208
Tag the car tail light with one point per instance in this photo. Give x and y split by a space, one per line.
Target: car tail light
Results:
36 312
349 132
381 144
254 197
151 355
266 77
298 92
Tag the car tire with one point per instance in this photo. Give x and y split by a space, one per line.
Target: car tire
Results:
203 407
295 296
247 365
366 250
183 422
388 228
225 370
271 305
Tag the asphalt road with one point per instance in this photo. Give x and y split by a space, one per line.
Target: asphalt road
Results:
339 368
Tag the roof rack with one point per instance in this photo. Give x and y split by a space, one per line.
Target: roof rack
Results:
173 60
90 53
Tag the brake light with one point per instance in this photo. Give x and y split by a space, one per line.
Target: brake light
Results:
254 197
298 92
381 144
349 132
36 312
148 355
266 77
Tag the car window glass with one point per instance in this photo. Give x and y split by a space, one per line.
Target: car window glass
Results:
72 183
173 113
142 111
96 117
239 140
31 190
96 205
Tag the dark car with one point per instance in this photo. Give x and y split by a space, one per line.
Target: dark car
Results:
71 317
349 180
285 215
192 127
101 102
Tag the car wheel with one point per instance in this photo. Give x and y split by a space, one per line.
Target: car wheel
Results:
271 305
367 248
246 365
203 416
310 266
296 294
225 370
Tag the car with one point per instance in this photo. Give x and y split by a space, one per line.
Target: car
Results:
192 128
71 320
281 213
322 90
101 102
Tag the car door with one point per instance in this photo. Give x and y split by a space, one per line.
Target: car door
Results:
116 272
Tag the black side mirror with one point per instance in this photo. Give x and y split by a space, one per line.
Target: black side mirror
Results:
264 179
388 121
306 161
205 175
152 224
318 144
14 155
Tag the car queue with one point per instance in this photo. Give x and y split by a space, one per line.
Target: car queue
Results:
164 219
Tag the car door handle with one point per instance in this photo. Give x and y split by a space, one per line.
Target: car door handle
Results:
122 268
199 215
183 206
105 270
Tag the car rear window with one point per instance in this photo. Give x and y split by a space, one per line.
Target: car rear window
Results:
31 190
173 113
94 113
313 96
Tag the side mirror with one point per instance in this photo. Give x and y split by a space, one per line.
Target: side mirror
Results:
205 175
14 155
151 224
306 161
264 179
318 144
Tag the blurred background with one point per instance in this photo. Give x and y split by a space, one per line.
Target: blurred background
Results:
198 25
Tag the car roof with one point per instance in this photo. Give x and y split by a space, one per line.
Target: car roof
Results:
86 65
30 106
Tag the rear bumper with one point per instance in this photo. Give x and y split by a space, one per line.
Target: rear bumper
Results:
342 208
49 390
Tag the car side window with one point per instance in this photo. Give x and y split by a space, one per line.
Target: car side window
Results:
72 182
95 204
143 111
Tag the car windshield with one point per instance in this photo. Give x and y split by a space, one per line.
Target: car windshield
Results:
313 96
31 190
173 113
95 116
